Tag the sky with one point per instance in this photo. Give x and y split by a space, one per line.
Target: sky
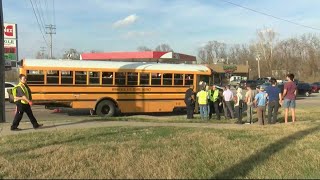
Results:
123 25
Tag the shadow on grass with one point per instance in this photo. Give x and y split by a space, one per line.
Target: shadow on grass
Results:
241 169
38 145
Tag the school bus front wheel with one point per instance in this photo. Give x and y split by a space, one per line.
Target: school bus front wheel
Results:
106 108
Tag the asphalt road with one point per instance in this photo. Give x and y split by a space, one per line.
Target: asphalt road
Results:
43 114
81 119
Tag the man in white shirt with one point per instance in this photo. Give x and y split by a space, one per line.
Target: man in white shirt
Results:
228 97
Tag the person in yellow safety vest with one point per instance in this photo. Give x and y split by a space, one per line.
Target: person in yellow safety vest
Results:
22 97
214 100
203 103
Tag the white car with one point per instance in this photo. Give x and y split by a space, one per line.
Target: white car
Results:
8 85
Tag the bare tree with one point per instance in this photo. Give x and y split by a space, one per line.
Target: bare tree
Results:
95 51
71 54
41 55
143 48
164 48
212 52
266 39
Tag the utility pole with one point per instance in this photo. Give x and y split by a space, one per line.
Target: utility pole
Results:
42 51
2 69
51 30
258 59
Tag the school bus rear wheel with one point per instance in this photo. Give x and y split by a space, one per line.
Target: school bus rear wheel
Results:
106 108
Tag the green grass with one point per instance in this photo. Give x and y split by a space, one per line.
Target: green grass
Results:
278 151
303 113
247 151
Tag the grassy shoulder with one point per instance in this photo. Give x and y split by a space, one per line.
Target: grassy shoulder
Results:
303 113
278 151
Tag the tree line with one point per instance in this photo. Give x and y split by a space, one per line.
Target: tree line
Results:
299 55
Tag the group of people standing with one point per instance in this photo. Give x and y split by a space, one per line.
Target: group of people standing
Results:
212 100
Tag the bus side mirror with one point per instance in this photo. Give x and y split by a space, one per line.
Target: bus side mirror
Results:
20 63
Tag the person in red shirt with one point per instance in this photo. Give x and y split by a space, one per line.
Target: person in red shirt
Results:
289 94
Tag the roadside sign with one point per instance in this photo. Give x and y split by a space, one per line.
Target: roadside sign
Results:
9 30
10 56
7 65
10 43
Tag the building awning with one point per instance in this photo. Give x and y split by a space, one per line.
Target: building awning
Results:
223 68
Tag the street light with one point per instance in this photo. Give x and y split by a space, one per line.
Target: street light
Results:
258 59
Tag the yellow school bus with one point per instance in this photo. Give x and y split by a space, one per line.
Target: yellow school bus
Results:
110 87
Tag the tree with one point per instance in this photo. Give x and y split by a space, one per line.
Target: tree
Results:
71 54
213 52
41 55
143 48
164 48
95 51
266 39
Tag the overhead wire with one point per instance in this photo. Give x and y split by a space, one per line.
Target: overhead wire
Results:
47 10
39 14
272 16
35 14
54 12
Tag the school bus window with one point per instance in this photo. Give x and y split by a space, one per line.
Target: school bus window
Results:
107 78
178 79
35 77
94 77
53 77
167 79
144 78
81 77
66 77
132 78
155 79
120 78
188 79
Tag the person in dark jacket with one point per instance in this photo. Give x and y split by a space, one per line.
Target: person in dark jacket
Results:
190 102
22 98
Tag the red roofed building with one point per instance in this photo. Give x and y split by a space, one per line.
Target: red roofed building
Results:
147 56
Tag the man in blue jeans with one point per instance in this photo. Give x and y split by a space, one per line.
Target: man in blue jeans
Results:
274 100
203 103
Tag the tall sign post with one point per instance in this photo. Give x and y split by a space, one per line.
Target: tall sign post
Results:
2 69
10 45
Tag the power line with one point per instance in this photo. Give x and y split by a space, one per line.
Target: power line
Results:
47 10
54 13
41 11
39 14
39 24
270 15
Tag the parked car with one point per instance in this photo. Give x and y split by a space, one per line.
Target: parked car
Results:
316 87
8 85
235 80
264 80
251 83
304 89
265 85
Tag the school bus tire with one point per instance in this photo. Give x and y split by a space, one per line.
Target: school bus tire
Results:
106 108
